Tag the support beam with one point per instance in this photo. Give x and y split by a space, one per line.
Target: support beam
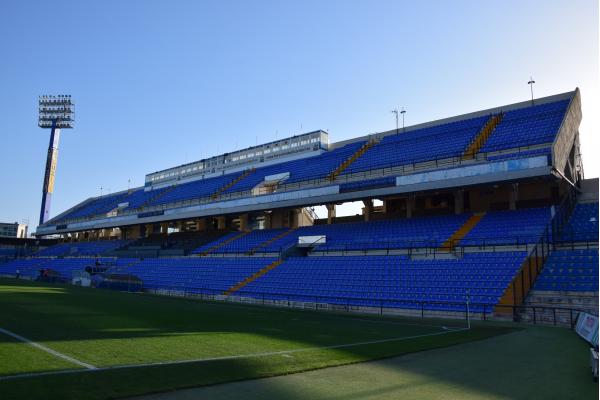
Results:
243 222
513 196
368 210
221 223
268 220
330 212
459 201
200 224
164 228
410 206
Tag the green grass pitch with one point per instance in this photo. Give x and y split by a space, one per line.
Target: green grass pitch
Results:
145 336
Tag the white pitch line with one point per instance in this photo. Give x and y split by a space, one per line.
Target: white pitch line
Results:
47 349
234 357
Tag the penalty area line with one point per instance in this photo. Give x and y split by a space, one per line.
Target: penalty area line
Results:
233 357
47 349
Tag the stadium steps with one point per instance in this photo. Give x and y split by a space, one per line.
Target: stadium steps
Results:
461 232
363 149
253 277
230 184
223 243
272 240
517 290
482 137
157 196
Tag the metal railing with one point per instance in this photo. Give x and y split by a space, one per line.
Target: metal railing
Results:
471 307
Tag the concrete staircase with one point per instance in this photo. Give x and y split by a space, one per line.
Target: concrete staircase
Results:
482 137
233 182
351 159
461 232
223 243
253 277
272 240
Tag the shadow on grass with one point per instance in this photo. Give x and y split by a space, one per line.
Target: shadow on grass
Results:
84 314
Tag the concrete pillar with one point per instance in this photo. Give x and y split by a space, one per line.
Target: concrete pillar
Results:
243 222
367 209
221 223
459 201
149 229
299 218
410 206
513 196
200 224
330 212
268 220
164 228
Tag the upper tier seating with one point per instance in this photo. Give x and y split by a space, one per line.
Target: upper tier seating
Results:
81 248
570 270
509 227
583 224
391 281
440 141
194 190
100 205
527 126
317 167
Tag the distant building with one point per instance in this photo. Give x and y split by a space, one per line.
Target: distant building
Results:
13 230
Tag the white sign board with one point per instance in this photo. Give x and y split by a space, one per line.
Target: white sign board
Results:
587 327
305 241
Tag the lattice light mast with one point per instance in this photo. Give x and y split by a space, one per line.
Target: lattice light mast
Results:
55 113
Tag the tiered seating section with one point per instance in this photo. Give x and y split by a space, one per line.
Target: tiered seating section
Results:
437 142
509 227
583 224
391 281
570 270
30 267
528 126
196 275
82 248
396 281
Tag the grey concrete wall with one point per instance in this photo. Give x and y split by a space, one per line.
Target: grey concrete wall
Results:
567 133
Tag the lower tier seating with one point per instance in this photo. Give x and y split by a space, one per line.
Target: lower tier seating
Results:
391 281
31 267
570 270
196 275
82 248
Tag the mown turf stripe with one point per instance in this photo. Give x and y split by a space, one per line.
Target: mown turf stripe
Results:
233 357
47 349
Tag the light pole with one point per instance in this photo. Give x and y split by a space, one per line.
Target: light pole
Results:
403 112
530 83
395 111
55 113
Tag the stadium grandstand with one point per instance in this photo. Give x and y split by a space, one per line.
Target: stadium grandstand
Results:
489 208
478 226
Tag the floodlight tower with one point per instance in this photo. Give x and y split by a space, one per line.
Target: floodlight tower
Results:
55 113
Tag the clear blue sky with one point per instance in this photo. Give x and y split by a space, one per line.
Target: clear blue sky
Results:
160 83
